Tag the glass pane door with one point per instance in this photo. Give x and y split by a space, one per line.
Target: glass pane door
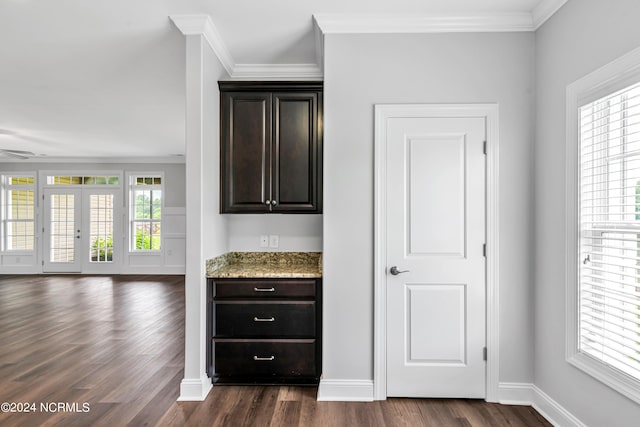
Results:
101 228
63 233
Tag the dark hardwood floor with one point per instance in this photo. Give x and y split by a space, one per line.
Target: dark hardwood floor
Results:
116 344
297 406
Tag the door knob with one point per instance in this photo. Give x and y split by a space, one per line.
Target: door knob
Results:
394 270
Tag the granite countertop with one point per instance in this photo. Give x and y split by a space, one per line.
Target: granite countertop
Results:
266 265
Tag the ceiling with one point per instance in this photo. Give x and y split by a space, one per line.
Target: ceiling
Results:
105 79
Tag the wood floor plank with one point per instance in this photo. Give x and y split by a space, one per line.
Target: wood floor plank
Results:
117 344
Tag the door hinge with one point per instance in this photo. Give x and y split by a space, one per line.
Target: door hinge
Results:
484 147
484 353
43 263
484 250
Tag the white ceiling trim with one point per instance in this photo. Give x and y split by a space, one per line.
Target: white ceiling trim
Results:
193 25
100 160
202 25
401 24
545 10
276 71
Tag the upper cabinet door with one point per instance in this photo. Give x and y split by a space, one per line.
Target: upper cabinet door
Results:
271 147
295 174
246 152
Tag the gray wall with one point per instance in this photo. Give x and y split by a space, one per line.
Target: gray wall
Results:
173 173
583 36
297 232
363 70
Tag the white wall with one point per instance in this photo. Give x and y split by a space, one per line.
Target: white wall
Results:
171 260
298 233
206 228
583 36
362 70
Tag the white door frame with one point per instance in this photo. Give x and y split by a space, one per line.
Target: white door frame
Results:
118 250
384 112
120 209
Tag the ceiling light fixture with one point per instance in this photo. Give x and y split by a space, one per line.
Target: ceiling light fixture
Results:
16 154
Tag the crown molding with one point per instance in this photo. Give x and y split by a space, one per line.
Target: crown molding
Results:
277 72
328 23
192 25
98 160
319 44
400 24
545 10
202 25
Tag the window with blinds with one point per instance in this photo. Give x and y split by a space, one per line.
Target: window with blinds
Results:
146 213
17 212
609 239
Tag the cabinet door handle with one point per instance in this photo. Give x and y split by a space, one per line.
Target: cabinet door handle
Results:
267 202
264 289
273 203
268 359
259 319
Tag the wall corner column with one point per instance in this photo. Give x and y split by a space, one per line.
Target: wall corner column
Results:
196 384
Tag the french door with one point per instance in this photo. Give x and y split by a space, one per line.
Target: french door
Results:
81 231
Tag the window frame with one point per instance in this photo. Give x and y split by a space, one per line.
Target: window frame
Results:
3 212
131 220
607 80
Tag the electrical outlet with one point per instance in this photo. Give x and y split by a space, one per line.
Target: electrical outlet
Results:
274 241
264 241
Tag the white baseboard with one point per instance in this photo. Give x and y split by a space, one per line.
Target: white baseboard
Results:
151 270
19 270
555 413
530 395
194 389
515 393
346 390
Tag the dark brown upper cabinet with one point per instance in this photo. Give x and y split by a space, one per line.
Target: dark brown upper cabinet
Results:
271 147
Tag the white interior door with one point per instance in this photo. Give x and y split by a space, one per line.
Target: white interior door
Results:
62 230
435 189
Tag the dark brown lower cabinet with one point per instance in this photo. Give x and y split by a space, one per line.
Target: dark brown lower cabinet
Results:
264 331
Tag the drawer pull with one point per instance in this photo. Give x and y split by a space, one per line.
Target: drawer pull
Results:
264 289
267 359
259 319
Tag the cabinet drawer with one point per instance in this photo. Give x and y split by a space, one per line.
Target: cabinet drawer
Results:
265 319
299 288
289 358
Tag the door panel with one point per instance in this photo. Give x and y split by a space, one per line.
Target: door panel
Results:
246 129
436 205
295 142
447 303
62 235
436 230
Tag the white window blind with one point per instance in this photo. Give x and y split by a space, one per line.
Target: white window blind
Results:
609 276
17 212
